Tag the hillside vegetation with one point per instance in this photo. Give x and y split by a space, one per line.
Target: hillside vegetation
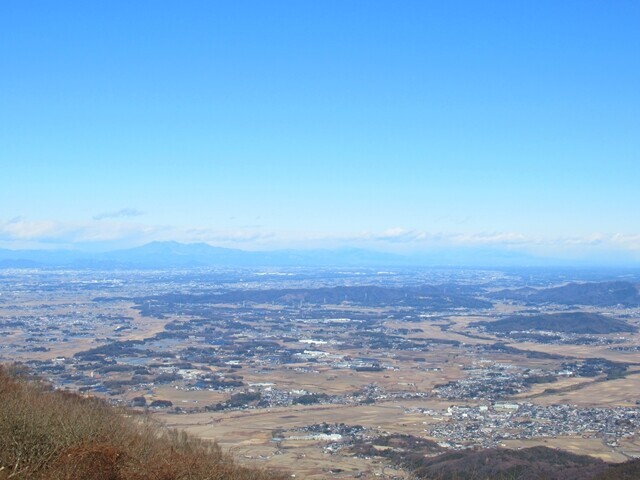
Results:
566 322
54 435
536 463
427 460
599 294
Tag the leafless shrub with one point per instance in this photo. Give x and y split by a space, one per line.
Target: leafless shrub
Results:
48 434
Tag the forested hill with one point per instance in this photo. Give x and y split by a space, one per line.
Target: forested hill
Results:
599 294
566 322
54 435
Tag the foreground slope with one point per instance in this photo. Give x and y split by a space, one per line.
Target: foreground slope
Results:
47 434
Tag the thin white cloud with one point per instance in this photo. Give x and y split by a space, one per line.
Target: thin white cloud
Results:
122 213
397 234
50 231
419 238
241 235
20 229
402 235
18 232
627 241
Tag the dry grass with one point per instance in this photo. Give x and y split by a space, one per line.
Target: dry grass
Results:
48 434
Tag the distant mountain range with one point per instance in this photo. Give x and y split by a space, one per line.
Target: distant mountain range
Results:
180 255
171 254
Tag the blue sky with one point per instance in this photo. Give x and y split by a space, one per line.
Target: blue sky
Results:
394 125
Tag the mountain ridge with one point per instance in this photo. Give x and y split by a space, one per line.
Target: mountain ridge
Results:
173 254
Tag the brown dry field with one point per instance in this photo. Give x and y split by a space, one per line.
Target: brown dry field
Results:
623 392
584 351
538 389
630 446
181 398
145 327
432 330
248 434
343 381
